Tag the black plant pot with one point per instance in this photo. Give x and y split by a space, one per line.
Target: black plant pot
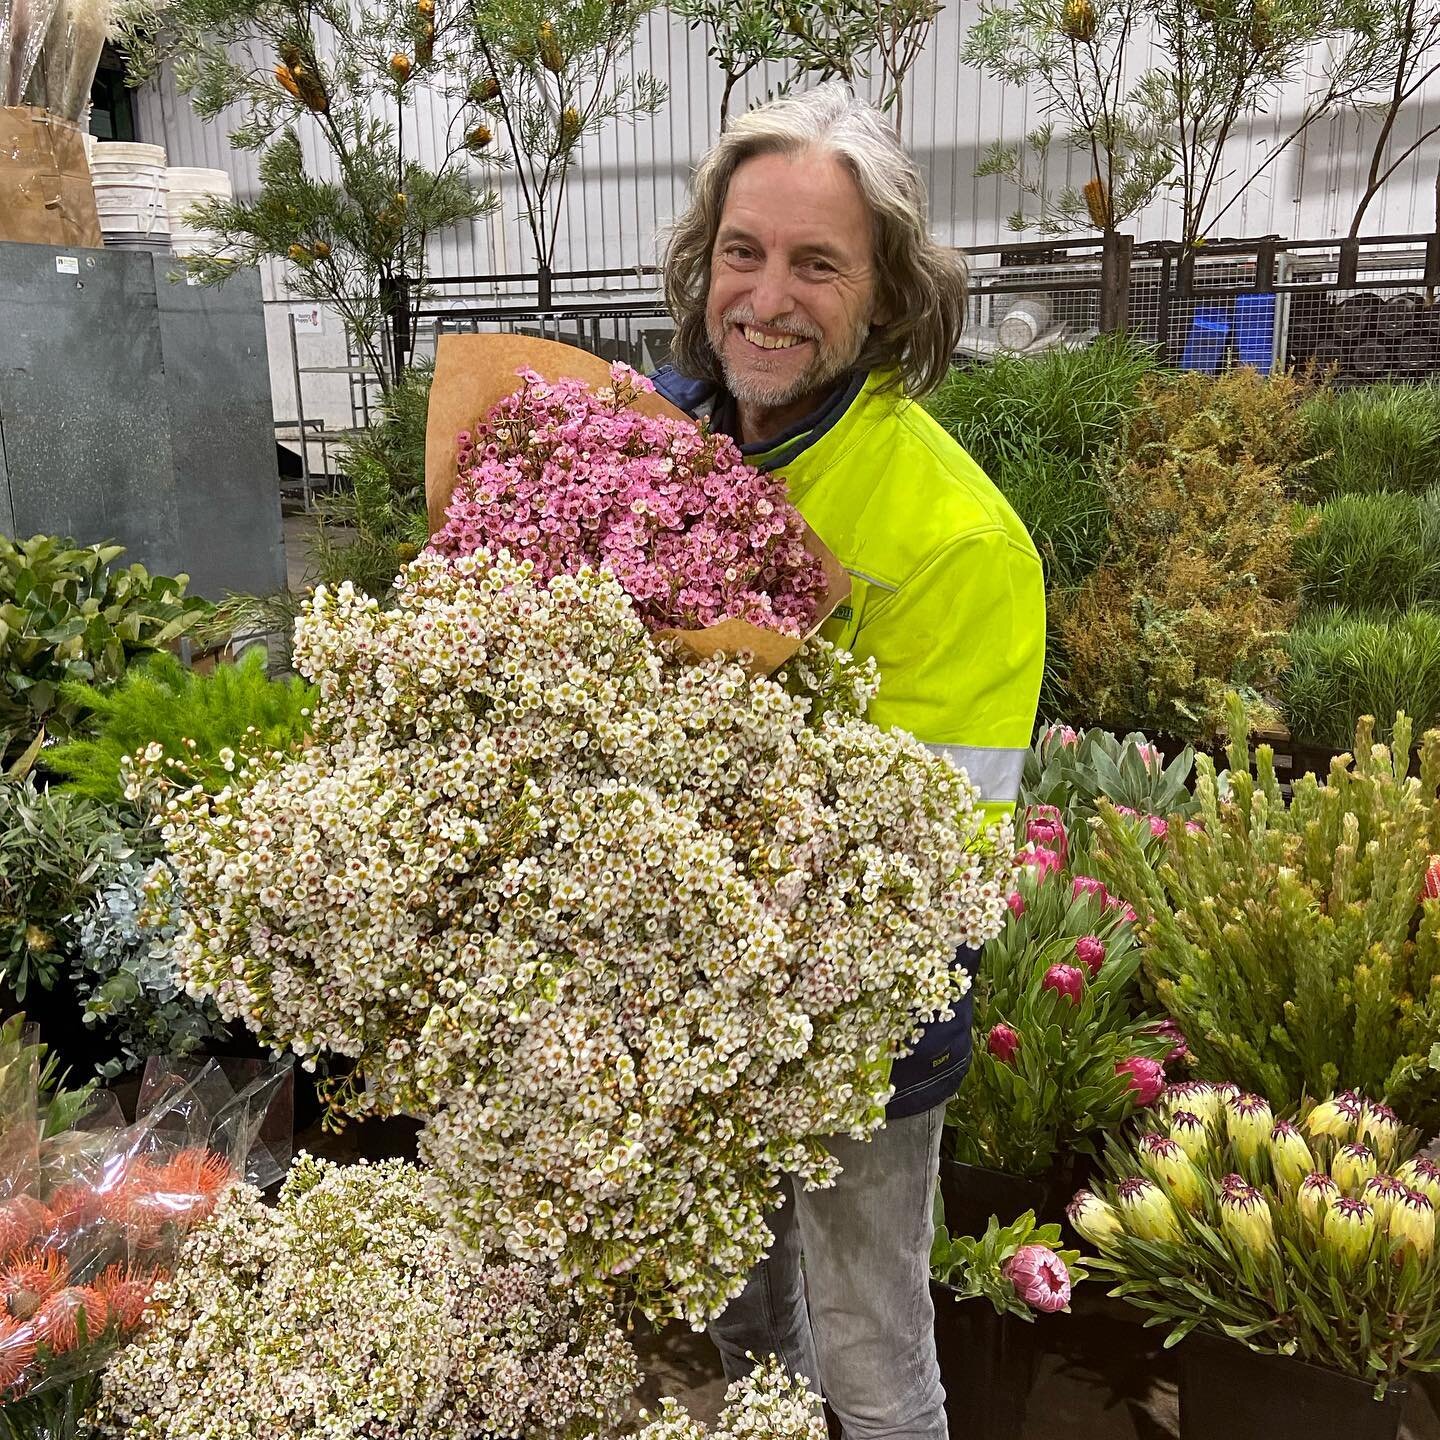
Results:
973 1193
988 1366
1229 1392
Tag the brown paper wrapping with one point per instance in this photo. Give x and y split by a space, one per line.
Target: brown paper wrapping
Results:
473 372
45 192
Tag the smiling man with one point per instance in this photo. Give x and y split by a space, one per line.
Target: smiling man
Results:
811 310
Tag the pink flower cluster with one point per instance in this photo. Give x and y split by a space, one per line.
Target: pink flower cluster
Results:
565 477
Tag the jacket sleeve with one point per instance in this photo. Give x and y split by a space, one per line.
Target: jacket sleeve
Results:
961 651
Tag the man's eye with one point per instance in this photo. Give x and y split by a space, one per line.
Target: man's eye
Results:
818 267
742 253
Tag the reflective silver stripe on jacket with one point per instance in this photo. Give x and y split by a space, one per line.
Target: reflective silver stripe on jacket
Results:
995 773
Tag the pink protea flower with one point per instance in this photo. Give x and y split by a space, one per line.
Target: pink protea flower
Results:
1002 1042
1090 952
1126 911
1089 885
1041 860
1015 903
1193 827
1171 1031
567 477
1039 1277
1045 829
1159 826
1147 1078
1066 981
1151 755
1061 735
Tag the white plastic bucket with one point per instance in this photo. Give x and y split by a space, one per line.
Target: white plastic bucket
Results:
1023 324
130 189
188 185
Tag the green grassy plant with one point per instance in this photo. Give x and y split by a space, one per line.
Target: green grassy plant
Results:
1374 437
1373 553
1343 666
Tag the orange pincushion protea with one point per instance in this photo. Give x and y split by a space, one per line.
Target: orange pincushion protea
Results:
198 1172
126 1293
30 1279
23 1221
58 1324
74 1207
17 1352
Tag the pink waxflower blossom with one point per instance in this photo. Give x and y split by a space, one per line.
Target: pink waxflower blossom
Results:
1045 829
1089 885
1015 903
1066 981
566 477
1090 952
1002 1042
1039 1277
1147 1078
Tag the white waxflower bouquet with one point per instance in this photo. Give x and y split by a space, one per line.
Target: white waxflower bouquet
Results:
632 936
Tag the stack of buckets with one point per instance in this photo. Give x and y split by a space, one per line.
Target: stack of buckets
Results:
142 204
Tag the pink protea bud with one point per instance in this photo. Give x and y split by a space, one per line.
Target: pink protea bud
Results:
1152 757
1159 826
1090 952
1060 735
1179 1050
1147 1078
1066 981
1041 860
1127 911
1045 829
1015 903
1430 890
1089 885
1039 1277
1003 1042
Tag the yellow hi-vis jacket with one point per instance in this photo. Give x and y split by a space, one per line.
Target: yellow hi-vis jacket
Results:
946 595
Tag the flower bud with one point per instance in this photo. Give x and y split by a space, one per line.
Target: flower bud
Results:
1090 952
1147 1211
1198 1097
1412 1223
1039 1277
1248 1123
1191 1134
1352 1166
1094 1219
1077 21
1088 885
1015 903
1045 829
399 68
1002 1042
1423 1176
1380 1129
1147 1078
1348 1228
1170 1165
1065 981
1430 889
1316 1194
1040 860
1290 1156
1382 1191
479 137
1245 1218
1333 1120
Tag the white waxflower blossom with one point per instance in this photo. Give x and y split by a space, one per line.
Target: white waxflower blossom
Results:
634 980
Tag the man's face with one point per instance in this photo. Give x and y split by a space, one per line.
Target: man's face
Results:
792 284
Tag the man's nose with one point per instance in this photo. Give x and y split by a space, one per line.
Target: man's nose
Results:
770 297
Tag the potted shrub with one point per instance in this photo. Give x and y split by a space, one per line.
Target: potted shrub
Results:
1299 1249
1291 938
988 1354
1060 1057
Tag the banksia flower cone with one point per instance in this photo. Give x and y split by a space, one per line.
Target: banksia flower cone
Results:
1039 1277
570 124
1093 1219
1077 21
1412 1223
400 68
1146 1211
551 55
1097 203
479 137
288 81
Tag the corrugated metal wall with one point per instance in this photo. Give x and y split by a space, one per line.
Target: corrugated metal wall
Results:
631 178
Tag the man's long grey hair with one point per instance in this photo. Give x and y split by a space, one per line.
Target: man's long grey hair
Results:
920 285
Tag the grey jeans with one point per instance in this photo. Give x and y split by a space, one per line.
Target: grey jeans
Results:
867 1334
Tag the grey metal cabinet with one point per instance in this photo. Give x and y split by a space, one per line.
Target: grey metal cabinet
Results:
137 409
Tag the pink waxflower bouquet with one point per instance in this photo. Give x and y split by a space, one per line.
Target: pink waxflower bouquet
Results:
1020 1268
1309 1233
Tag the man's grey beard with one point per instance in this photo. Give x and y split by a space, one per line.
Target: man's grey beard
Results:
829 364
